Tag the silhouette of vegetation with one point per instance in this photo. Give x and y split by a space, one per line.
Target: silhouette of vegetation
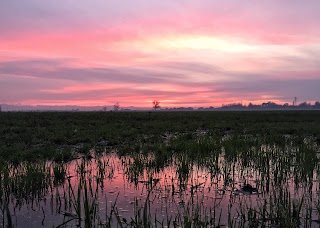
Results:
116 106
270 105
264 106
156 104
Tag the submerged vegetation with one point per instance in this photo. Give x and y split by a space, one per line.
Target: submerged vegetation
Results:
155 169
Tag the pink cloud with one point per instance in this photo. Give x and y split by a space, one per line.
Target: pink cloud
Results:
182 53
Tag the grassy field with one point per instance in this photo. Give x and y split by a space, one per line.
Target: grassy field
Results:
35 135
181 169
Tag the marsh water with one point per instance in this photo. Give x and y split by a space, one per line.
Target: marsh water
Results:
236 182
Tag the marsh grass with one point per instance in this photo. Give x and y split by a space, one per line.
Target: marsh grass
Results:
194 164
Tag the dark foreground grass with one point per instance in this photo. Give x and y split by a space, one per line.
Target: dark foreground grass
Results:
33 136
276 152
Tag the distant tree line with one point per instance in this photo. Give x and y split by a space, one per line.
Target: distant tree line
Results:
273 105
156 106
264 106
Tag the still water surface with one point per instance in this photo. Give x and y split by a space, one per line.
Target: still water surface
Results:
112 190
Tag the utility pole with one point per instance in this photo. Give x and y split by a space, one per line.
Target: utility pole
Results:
295 101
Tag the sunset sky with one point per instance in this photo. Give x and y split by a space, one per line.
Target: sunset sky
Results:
182 53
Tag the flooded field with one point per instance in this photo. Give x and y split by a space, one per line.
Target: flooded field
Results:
189 178
263 184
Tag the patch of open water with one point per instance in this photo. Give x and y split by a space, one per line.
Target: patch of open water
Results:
113 190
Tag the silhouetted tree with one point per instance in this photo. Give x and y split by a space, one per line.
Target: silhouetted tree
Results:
304 104
317 104
156 104
116 106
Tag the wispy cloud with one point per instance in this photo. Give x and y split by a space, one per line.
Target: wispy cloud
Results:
181 52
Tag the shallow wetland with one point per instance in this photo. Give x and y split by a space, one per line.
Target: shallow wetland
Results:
158 169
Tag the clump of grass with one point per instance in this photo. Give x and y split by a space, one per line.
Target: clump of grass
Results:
59 173
63 155
279 210
26 182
